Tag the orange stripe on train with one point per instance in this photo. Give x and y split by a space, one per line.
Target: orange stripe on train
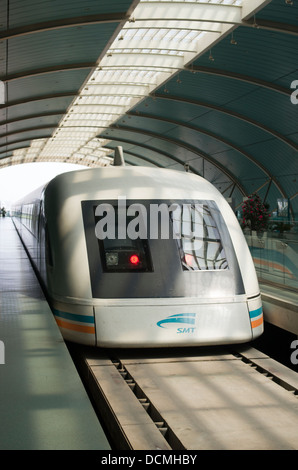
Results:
72 326
258 322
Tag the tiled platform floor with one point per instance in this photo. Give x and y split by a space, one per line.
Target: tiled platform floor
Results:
43 404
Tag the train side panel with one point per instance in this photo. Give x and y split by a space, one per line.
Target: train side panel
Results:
247 270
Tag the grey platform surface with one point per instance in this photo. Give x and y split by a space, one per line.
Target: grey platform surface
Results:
43 404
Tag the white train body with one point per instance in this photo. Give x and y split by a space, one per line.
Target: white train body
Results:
153 291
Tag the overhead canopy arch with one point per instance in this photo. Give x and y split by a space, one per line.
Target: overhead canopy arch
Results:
205 85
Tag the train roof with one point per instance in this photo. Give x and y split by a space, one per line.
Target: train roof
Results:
29 198
131 181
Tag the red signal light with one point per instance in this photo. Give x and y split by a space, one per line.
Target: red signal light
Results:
134 259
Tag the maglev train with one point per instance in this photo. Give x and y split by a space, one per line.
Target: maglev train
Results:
141 257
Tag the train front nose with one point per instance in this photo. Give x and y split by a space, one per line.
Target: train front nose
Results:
154 323
164 273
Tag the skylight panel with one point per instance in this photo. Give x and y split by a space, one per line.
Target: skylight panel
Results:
161 38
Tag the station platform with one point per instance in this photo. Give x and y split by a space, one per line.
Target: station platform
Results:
43 404
280 307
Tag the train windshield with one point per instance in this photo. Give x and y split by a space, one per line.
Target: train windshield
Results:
198 237
159 248
126 231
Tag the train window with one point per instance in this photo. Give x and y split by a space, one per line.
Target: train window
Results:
167 246
122 254
193 226
198 237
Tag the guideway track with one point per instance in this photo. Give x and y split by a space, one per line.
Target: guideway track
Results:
193 399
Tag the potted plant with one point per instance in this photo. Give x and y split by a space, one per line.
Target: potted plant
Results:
255 214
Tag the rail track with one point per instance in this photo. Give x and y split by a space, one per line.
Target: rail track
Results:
193 398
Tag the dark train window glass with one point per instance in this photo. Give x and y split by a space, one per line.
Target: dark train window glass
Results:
198 237
120 254
196 227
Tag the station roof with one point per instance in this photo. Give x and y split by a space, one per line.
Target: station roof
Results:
207 85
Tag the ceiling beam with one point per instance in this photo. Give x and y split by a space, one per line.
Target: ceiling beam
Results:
218 138
28 139
142 157
33 116
259 23
242 78
29 129
202 11
176 142
63 23
47 70
38 98
223 110
160 152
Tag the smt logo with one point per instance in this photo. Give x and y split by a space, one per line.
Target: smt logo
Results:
2 353
294 95
172 320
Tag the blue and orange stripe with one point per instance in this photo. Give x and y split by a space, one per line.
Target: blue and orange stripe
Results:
66 319
256 317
